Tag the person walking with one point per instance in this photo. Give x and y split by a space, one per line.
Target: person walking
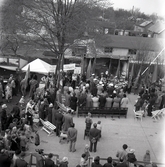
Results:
94 135
72 137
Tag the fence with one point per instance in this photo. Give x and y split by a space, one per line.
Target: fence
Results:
104 160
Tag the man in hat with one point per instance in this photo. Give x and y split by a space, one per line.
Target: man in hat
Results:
94 135
3 117
72 137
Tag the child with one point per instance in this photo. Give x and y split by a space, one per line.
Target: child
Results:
131 156
22 101
83 161
37 138
86 152
147 158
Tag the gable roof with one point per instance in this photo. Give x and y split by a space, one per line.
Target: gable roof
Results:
146 23
129 42
158 27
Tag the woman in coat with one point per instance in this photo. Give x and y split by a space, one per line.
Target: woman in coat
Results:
116 101
73 102
109 101
89 99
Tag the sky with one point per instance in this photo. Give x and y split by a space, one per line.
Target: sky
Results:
146 6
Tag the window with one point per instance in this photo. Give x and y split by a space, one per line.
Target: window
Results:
108 50
132 51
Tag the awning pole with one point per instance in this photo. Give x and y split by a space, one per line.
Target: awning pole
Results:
153 61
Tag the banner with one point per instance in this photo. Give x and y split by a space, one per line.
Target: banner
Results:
68 67
77 70
53 69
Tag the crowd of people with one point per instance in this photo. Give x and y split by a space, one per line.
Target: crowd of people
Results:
17 126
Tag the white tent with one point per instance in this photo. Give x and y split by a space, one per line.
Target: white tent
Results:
38 66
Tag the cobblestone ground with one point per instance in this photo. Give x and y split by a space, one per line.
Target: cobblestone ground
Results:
142 136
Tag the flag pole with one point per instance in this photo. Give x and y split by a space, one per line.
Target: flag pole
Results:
153 61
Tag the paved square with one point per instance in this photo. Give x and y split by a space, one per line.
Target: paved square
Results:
142 136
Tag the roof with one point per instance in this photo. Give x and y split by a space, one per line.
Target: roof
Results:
129 42
146 23
158 27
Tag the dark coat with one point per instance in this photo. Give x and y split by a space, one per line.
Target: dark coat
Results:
59 118
94 133
107 165
5 161
50 114
49 163
15 144
67 121
3 119
82 100
21 163
63 164
73 103
122 164
102 101
95 164
37 139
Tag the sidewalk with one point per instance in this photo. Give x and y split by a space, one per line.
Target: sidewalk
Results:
142 136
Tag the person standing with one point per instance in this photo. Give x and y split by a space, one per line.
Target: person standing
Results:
20 162
49 162
67 120
39 158
3 117
109 162
94 135
73 103
124 101
95 101
72 137
5 160
123 153
49 114
33 85
96 162
88 121
67 99
59 121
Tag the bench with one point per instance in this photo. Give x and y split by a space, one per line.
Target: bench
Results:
113 112
48 127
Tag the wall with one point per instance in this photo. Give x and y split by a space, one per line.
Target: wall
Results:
120 52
